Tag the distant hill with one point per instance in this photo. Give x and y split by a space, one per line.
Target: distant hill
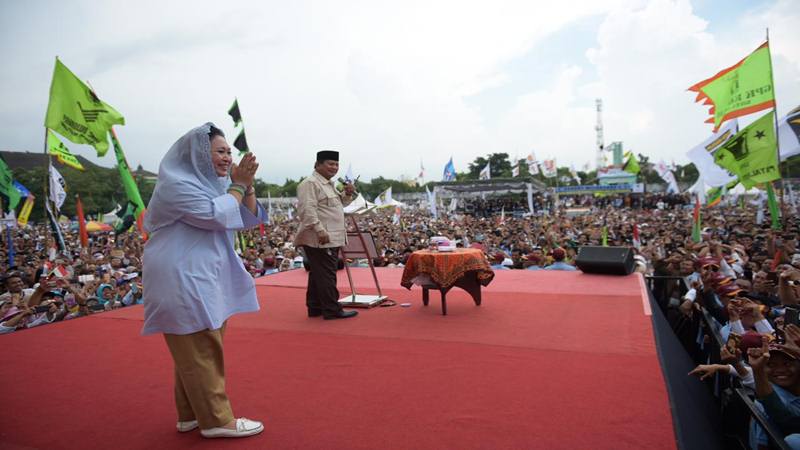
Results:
28 160
100 188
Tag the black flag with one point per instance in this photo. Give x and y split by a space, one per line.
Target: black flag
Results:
55 228
234 113
241 142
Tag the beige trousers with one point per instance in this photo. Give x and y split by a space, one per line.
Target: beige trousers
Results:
200 377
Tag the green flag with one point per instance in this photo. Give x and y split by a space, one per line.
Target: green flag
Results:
76 113
235 114
744 88
604 233
631 164
57 148
241 143
715 194
751 153
7 188
696 236
774 211
131 190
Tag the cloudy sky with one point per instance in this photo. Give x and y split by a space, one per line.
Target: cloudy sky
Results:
389 83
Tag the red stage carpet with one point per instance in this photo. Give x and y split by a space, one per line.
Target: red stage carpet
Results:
550 360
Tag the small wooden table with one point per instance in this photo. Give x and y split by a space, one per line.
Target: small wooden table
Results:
465 268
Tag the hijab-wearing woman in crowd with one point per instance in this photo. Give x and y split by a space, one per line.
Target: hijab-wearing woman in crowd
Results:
193 279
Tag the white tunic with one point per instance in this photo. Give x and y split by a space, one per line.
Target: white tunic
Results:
193 279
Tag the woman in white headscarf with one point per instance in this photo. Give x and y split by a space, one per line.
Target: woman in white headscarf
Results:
193 279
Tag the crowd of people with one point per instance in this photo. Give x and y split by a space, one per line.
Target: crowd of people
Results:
45 286
743 271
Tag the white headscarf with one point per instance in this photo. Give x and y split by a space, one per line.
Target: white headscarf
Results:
186 175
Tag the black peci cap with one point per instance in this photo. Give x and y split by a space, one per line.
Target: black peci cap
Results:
327 155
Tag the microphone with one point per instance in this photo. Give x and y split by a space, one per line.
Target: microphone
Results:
343 181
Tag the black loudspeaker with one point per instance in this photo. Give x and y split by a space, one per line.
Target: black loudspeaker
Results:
605 260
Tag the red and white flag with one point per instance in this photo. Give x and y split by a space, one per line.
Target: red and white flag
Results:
59 272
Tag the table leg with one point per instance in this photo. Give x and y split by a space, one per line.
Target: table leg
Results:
444 301
425 297
470 284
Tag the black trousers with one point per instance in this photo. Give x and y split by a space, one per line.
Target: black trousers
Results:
322 293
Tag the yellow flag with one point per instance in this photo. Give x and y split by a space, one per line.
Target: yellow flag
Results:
76 113
25 212
57 148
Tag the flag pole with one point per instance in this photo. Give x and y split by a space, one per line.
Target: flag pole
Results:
775 120
555 191
47 176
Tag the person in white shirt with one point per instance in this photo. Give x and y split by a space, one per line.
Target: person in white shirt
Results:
16 290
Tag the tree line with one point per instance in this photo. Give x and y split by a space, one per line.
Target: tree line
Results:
101 190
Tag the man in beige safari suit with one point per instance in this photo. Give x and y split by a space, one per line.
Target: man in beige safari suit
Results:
322 231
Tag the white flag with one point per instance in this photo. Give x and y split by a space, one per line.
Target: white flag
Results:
530 197
666 174
432 202
789 134
574 174
485 172
453 205
269 209
702 155
760 213
515 170
549 168
58 187
384 198
533 164
396 217
348 176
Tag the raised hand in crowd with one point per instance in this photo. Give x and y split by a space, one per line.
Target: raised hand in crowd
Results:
792 345
757 357
733 310
708 370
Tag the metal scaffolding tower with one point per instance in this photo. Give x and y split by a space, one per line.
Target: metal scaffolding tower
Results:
601 156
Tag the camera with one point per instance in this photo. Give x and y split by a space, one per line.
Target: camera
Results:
791 316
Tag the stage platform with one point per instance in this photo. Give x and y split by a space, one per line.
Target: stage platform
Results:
550 360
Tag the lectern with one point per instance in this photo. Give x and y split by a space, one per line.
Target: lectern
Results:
360 244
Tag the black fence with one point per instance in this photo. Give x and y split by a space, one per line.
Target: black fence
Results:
717 412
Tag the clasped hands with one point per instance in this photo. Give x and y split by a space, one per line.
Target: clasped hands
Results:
244 173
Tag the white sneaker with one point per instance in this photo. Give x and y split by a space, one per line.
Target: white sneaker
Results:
189 425
244 427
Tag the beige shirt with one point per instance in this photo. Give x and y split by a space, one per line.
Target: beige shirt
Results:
320 208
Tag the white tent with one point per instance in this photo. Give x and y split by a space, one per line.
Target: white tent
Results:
359 205
740 190
111 217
